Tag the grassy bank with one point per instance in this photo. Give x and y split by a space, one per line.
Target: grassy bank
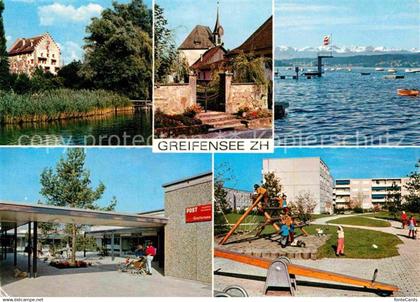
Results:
57 104
361 221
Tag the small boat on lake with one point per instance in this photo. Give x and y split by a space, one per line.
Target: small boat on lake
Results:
408 92
392 70
412 70
393 77
379 69
365 73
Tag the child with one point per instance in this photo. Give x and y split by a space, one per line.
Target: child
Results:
340 241
284 204
412 227
284 231
292 231
403 219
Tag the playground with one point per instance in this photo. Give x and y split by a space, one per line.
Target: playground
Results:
379 258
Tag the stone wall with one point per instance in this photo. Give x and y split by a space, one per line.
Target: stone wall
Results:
239 95
188 246
175 98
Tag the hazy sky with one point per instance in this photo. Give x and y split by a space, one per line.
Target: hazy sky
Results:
389 23
239 18
65 20
134 175
343 163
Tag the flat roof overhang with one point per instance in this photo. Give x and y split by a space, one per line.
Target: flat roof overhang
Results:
16 214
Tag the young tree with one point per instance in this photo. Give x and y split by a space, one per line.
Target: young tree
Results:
413 187
165 49
393 198
304 205
70 186
4 58
118 50
272 184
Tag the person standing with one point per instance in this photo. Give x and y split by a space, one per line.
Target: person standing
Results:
340 241
403 219
412 227
150 254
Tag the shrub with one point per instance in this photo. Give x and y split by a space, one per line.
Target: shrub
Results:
193 110
358 210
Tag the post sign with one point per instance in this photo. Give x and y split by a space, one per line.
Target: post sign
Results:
199 213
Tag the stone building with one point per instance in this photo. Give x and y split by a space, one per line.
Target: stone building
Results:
188 244
28 54
200 40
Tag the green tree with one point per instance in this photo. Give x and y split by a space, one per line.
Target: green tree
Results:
248 69
413 187
4 58
72 77
272 184
118 50
165 49
70 186
394 199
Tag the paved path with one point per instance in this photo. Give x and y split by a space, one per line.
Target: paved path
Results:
402 270
102 280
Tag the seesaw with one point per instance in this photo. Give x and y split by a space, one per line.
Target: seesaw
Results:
281 275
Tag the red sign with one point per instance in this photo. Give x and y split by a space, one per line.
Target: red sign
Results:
198 213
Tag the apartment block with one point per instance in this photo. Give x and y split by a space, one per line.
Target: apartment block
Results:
366 192
304 175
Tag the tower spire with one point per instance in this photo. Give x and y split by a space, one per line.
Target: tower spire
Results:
218 29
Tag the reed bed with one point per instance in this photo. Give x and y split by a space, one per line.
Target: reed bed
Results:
58 104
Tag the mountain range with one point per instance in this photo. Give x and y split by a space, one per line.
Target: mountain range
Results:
287 52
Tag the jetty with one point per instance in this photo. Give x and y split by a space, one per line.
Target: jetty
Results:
139 105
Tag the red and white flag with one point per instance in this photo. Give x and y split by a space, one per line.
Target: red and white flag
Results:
327 40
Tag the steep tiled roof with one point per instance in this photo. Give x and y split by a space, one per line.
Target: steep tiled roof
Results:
207 56
199 38
260 41
24 45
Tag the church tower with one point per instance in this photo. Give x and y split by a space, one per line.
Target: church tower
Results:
218 30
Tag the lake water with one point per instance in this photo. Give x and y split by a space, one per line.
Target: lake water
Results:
346 108
121 129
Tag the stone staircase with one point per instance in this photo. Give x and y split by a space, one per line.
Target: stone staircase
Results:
220 121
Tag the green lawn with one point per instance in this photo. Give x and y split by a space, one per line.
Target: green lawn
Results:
360 221
390 216
358 243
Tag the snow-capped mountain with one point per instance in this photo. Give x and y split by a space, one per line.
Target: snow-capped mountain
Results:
287 52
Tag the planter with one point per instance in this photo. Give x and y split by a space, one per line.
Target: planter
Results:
265 122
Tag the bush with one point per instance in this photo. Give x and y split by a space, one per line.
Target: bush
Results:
163 120
412 206
358 210
192 111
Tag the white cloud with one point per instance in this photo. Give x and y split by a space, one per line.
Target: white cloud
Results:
60 13
8 38
70 51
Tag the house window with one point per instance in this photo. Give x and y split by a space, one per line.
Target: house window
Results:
53 62
53 55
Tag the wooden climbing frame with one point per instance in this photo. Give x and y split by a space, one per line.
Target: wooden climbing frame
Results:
269 219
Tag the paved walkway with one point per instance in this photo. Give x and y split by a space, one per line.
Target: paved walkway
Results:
402 270
100 280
